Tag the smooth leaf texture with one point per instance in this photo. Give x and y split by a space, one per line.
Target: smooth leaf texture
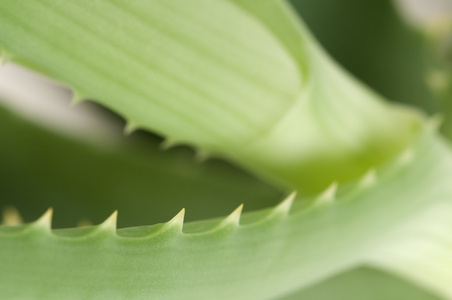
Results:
362 283
423 256
247 81
268 255
34 195
241 79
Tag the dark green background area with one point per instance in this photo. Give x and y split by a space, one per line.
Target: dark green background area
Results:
39 169
372 41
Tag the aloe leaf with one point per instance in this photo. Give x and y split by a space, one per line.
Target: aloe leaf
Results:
363 283
260 255
275 104
376 45
176 69
40 169
422 253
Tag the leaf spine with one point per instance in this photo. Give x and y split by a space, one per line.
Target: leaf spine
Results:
285 206
369 179
45 221
233 218
177 221
328 196
167 144
110 223
406 157
11 216
130 128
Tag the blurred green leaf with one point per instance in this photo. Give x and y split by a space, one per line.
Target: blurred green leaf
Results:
372 41
363 284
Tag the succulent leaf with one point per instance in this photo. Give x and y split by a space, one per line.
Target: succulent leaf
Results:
266 255
247 81
261 81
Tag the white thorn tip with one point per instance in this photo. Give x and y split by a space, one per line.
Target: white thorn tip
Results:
234 217
328 196
369 179
177 220
286 204
111 221
45 221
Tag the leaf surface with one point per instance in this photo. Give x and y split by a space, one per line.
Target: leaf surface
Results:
270 253
363 283
244 80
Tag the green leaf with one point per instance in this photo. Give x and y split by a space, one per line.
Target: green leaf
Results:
376 45
363 283
422 252
238 79
270 253
247 81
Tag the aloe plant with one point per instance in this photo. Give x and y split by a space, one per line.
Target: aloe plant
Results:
366 180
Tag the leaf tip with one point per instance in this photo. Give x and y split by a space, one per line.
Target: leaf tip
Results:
285 206
406 157
234 217
368 179
201 155
328 196
45 221
167 144
111 222
177 220
130 128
